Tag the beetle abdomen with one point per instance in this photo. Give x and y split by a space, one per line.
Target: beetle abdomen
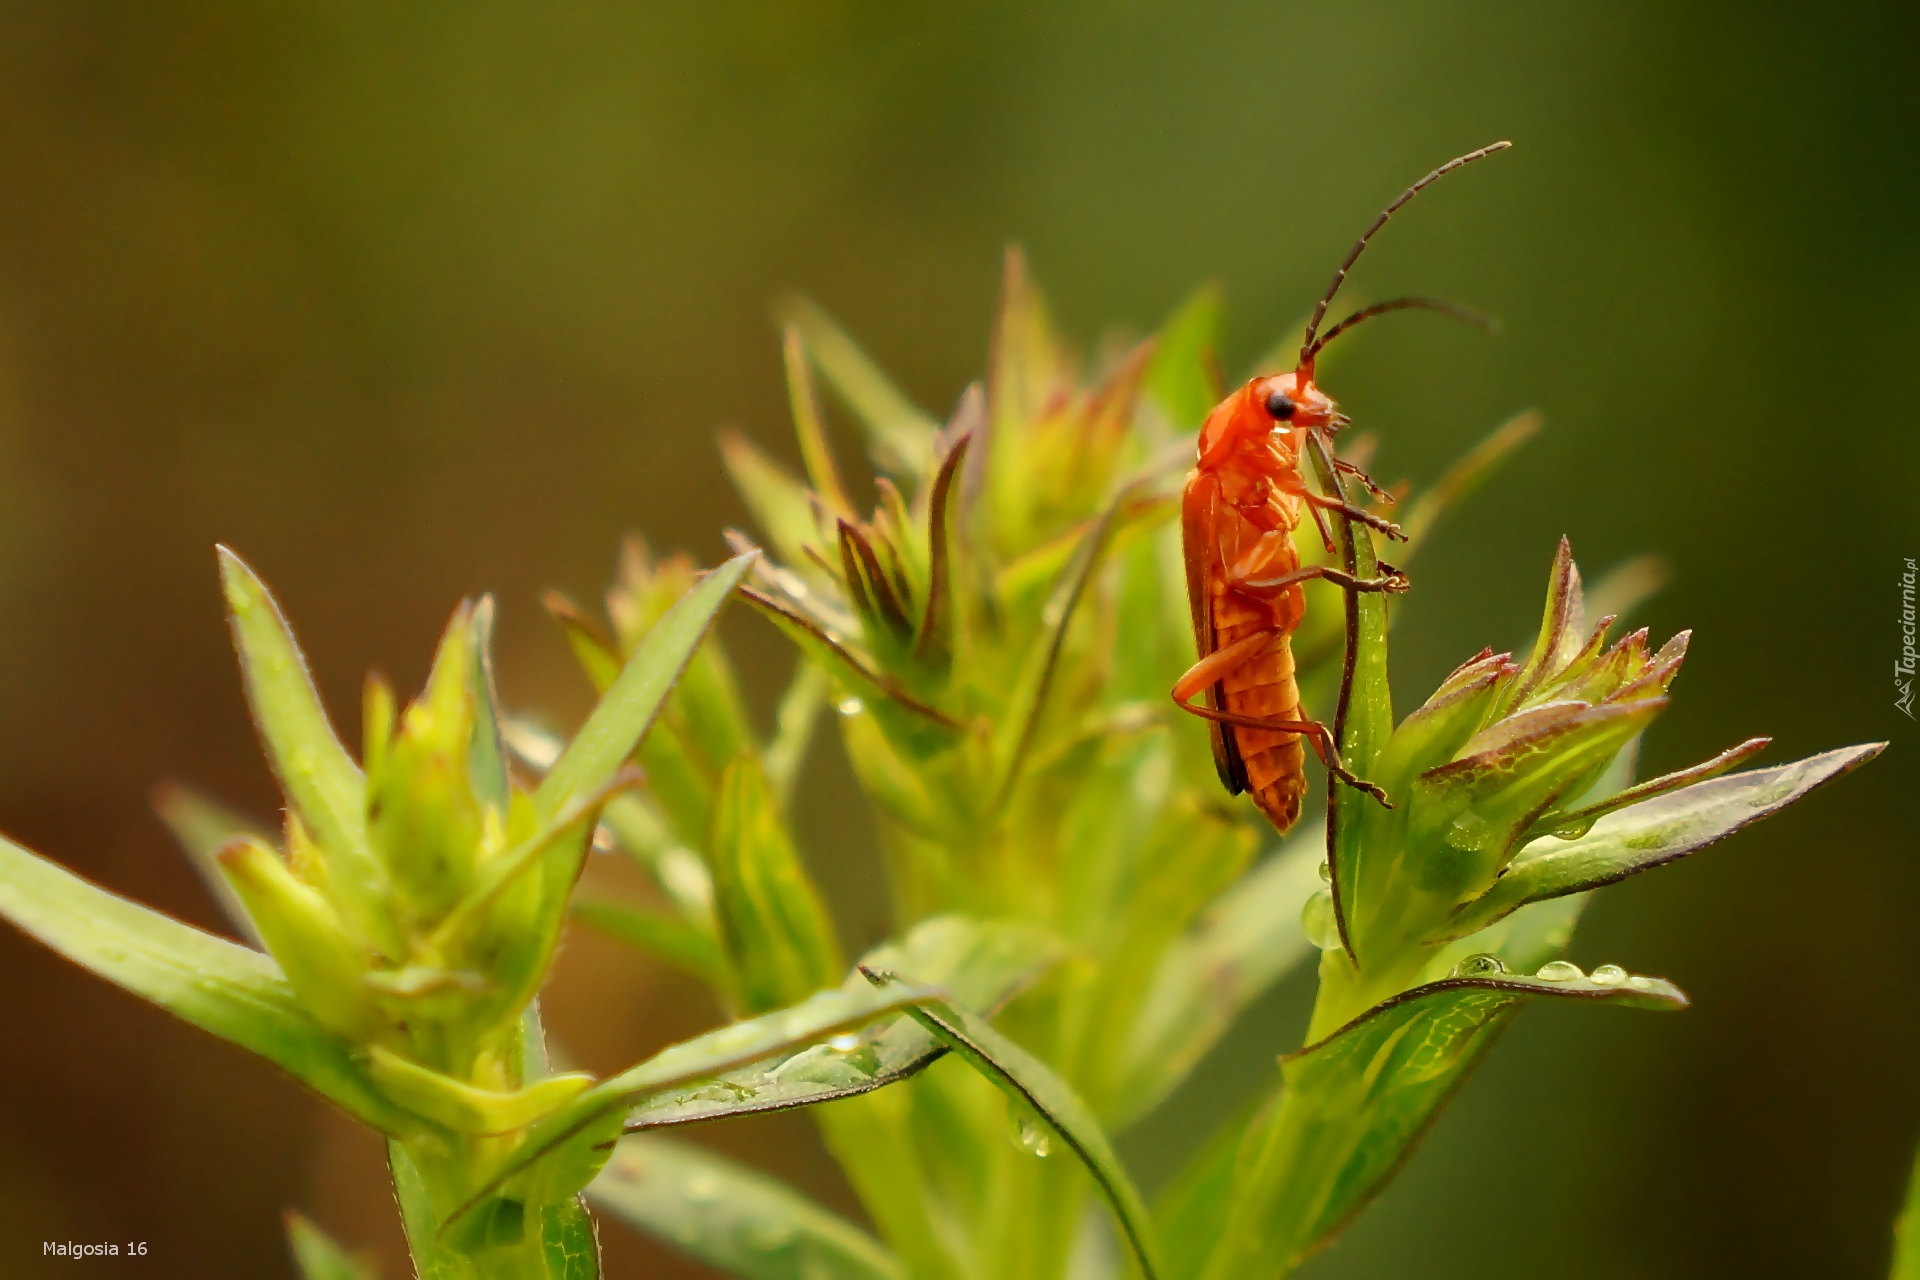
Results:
1264 686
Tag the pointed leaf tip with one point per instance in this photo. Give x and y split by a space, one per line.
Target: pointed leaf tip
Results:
322 783
631 703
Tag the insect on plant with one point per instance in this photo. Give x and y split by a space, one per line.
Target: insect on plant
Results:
1244 577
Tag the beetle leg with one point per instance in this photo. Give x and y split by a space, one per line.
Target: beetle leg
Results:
1211 669
1352 512
1318 736
1215 667
1391 580
1320 523
1347 468
1293 484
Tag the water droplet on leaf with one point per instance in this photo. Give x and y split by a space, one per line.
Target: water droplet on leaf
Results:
1319 922
845 1043
1035 1137
1560 971
1609 975
850 707
1326 873
1482 965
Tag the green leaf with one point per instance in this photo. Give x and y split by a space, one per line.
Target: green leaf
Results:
905 718
486 756
1184 375
1035 1091
1462 478
776 929
794 724
810 428
778 500
732 1218
670 938
221 987
1193 1209
320 779
565 829
466 1108
1906 1232
569 1147
1626 586
981 964
1026 701
563 1246
933 636
1656 831
305 936
1363 721
900 434
1248 940
677 870
203 826
318 1257
1356 1102
622 717
596 653
566 1245
1570 824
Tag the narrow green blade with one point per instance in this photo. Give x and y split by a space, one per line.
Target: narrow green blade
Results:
1356 1102
1034 1089
571 1145
900 435
232 991
566 1246
623 716
1364 719
732 1218
1184 375
663 935
1906 1232
979 963
1248 939
1657 831
318 1257
202 826
319 778
778 935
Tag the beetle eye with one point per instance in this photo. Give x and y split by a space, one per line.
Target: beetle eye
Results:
1280 405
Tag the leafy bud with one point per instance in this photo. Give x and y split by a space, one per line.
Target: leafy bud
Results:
422 814
304 934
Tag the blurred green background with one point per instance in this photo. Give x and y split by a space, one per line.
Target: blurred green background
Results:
411 301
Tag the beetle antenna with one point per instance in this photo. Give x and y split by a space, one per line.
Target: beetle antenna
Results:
1359 246
1475 318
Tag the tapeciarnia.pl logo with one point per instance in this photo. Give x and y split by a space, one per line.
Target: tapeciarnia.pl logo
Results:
1903 666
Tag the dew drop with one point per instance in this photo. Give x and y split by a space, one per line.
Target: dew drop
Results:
1035 1138
1560 971
846 1043
1318 921
1326 873
850 707
1482 965
1637 982
1609 975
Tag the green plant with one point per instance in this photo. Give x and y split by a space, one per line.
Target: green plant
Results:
408 923
998 638
1080 911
